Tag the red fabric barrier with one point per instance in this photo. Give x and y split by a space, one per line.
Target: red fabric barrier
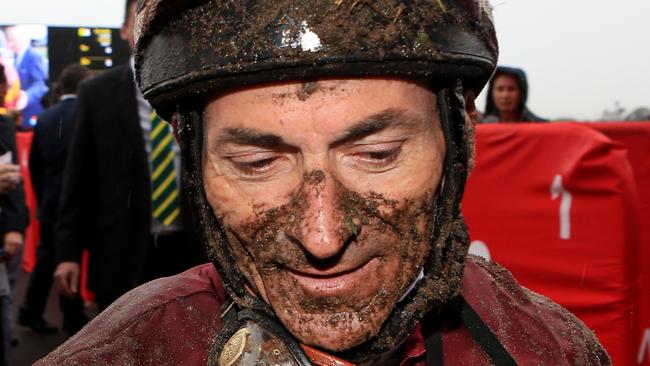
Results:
32 234
636 137
557 205
86 294
23 144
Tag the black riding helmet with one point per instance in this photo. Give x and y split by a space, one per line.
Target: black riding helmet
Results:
188 50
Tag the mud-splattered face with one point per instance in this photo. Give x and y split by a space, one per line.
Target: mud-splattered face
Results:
326 191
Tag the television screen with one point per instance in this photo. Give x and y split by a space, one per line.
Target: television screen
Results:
96 48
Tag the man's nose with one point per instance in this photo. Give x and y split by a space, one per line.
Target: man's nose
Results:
323 233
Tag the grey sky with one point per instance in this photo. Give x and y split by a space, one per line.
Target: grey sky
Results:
581 55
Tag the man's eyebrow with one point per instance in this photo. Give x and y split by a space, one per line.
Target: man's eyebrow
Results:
247 136
375 123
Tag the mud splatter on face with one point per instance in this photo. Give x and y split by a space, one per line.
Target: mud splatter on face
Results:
340 300
306 89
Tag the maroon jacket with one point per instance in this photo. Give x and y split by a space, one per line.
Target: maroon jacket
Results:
173 320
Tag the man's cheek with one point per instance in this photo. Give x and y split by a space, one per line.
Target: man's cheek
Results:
252 254
230 204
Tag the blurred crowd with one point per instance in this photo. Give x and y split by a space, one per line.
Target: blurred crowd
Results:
105 172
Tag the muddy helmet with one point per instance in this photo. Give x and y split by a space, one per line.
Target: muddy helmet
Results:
186 50
194 46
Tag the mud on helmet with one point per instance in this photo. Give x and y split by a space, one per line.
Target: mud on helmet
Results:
188 49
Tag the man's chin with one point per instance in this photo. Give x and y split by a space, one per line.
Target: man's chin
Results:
335 332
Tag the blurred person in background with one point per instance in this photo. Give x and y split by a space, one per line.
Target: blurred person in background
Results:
31 70
46 162
507 96
52 96
13 217
112 200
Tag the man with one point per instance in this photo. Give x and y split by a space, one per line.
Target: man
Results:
13 218
31 71
326 150
111 189
507 96
46 161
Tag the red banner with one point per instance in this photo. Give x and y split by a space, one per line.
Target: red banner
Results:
636 138
23 144
557 205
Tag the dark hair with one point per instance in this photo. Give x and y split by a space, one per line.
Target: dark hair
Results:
127 6
3 76
70 78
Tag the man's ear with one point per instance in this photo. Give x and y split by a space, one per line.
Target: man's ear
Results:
471 120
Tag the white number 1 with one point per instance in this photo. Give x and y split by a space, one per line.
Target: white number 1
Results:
558 190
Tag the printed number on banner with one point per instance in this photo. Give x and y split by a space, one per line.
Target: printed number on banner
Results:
645 347
558 191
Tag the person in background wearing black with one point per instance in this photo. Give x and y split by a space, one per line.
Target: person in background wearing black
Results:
507 96
111 202
46 162
13 217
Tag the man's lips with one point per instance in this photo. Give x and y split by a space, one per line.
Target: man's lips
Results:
337 283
